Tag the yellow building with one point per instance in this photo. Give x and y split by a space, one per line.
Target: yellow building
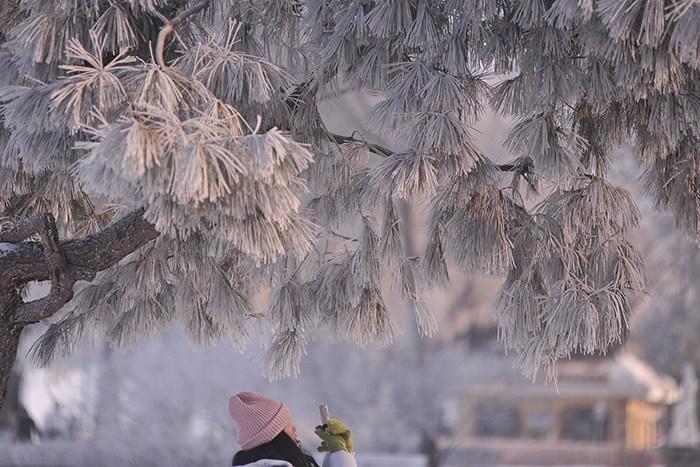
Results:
603 410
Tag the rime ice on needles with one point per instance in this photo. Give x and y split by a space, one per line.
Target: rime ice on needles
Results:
219 140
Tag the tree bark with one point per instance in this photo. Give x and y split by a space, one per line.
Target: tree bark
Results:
64 263
9 342
27 262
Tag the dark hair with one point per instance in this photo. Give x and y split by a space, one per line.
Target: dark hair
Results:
282 448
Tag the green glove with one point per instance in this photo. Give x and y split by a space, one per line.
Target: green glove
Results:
335 436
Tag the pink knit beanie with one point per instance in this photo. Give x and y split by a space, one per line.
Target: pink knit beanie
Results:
258 418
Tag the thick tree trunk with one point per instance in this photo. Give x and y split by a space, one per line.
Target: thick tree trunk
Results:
9 342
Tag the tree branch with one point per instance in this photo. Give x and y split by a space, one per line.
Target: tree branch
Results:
375 148
62 279
521 167
108 246
65 263
25 229
196 8
170 26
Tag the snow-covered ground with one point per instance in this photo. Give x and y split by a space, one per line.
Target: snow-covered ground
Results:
87 454
65 454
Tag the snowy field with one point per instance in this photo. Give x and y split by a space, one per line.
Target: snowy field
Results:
64 454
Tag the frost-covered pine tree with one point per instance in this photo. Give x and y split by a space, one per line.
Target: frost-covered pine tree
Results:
165 159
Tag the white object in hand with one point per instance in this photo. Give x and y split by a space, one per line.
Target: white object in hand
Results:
323 408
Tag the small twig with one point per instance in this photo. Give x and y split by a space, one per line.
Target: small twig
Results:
382 151
339 235
375 148
301 264
160 45
524 168
170 26
520 168
197 7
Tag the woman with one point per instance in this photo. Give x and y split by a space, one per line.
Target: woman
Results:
268 437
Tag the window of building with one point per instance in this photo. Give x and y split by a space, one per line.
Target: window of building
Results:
588 423
538 424
497 419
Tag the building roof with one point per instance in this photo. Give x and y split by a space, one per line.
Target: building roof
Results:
621 376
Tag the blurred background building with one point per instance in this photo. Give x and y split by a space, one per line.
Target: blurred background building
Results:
605 410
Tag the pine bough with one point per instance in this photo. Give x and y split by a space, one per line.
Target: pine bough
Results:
203 117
